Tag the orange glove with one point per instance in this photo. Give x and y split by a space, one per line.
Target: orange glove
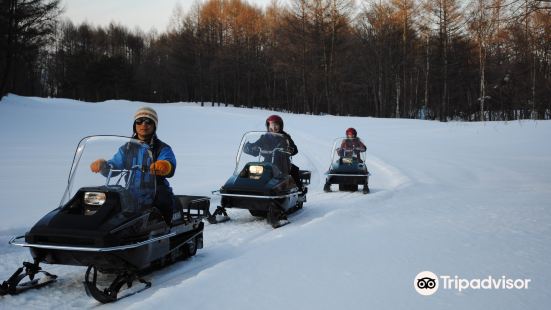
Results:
161 168
97 165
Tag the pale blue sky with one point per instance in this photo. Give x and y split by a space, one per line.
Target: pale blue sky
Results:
131 13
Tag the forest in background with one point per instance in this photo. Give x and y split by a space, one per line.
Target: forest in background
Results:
434 59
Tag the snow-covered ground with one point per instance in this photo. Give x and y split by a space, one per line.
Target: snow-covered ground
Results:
471 200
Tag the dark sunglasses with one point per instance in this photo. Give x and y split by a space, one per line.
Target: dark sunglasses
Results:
145 120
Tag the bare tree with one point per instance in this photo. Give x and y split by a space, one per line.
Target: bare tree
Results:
446 18
404 15
483 24
26 27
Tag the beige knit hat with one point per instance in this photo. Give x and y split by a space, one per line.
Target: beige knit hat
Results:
147 112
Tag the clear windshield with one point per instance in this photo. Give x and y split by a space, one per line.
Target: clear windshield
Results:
348 150
125 165
264 147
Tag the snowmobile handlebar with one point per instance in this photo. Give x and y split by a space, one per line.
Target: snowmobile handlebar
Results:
277 149
354 149
122 173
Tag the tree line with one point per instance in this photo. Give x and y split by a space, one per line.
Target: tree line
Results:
431 59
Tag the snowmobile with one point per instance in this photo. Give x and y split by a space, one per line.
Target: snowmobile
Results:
107 222
261 181
348 168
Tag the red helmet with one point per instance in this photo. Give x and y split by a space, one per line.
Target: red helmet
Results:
274 118
351 131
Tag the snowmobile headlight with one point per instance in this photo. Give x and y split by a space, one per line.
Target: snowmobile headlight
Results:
94 198
347 160
255 172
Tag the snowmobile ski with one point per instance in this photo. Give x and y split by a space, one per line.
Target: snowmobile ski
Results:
13 285
110 294
219 216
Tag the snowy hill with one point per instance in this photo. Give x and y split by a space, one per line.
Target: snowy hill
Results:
470 200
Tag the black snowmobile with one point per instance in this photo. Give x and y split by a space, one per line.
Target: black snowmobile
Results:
261 181
106 221
348 168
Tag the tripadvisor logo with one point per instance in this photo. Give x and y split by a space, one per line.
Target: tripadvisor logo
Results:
427 283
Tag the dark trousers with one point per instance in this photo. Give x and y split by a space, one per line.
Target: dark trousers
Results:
164 201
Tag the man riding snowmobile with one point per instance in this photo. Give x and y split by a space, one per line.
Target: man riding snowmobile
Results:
274 124
108 219
163 167
351 144
348 168
264 180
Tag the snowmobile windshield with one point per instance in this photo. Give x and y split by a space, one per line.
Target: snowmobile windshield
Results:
112 163
264 148
348 151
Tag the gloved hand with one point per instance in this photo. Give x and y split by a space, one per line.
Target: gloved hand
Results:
161 168
98 165
251 149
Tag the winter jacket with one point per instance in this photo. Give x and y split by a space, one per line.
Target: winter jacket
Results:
292 145
271 141
351 144
131 154
162 151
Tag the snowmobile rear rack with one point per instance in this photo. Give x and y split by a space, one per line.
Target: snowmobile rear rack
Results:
305 176
192 205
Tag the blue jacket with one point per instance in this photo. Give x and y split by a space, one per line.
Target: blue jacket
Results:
129 155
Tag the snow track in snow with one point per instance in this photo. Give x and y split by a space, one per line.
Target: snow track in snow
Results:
225 241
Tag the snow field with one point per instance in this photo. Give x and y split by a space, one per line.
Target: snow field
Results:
466 199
